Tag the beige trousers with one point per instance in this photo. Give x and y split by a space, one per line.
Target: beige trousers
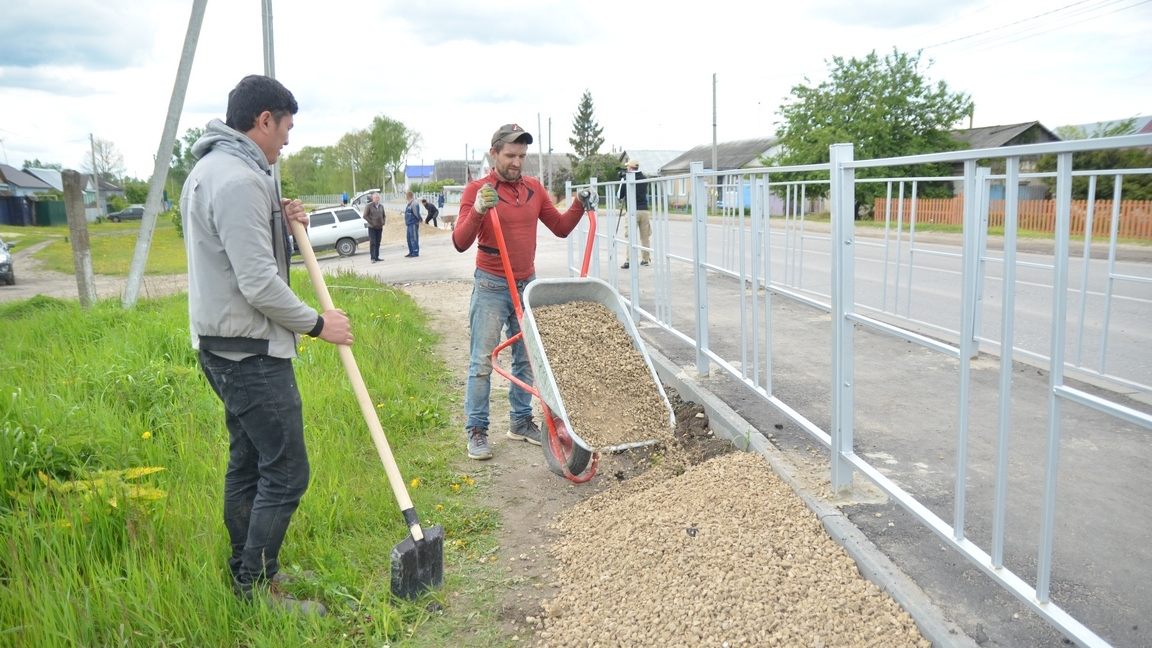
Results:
644 227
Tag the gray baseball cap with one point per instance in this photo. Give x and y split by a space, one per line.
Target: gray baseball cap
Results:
511 133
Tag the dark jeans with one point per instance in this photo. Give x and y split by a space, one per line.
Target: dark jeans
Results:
414 239
374 243
433 219
267 461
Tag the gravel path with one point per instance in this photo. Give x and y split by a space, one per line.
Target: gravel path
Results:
721 555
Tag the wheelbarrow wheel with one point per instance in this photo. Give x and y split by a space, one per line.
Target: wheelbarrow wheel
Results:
575 458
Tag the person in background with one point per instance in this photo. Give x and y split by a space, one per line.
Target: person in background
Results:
522 205
643 216
375 217
246 323
433 213
412 220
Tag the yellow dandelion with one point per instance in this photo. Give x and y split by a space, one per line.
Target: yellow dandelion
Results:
380 405
439 507
147 434
455 487
415 482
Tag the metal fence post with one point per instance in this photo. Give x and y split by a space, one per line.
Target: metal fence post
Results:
699 258
984 196
1055 372
567 200
633 239
843 214
969 263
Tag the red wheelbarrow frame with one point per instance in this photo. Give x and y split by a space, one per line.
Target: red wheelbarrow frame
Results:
558 439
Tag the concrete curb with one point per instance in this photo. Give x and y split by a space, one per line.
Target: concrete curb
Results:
872 563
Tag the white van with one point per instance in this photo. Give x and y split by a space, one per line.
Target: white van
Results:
340 228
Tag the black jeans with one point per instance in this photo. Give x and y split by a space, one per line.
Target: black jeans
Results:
374 243
267 463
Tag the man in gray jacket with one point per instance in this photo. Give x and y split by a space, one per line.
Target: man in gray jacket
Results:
246 323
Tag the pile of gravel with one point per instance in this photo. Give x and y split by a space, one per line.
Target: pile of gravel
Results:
722 554
607 388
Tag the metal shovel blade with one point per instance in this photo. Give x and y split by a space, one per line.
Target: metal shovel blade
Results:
417 566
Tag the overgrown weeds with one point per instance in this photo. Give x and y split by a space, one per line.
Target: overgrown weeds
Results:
112 454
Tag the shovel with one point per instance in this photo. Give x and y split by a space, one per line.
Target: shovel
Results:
418 561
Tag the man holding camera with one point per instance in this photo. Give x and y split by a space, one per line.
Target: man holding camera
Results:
522 203
643 216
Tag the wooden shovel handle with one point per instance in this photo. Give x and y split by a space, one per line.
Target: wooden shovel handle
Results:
353 371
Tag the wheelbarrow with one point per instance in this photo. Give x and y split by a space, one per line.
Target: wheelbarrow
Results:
565 452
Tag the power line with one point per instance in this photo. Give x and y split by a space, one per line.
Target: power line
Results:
1022 33
988 31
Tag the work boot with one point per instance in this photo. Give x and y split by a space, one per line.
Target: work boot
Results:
278 599
525 430
274 596
625 266
478 447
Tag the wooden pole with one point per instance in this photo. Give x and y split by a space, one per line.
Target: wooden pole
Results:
78 234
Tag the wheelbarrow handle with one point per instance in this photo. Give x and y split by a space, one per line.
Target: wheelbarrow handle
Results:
358 386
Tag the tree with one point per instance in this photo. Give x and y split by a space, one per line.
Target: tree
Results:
355 147
37 164
135 191
586 138
602 166
884 106
1133 186
392 142
182 158
109 161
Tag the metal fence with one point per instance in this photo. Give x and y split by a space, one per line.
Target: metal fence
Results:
899 283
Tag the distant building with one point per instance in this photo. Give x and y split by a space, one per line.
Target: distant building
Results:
417 173
989 137
17 191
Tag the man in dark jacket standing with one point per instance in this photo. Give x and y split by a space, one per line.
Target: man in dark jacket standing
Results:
412 220
246 322
375 217
643 216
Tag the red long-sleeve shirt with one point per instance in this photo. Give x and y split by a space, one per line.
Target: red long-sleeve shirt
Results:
521 204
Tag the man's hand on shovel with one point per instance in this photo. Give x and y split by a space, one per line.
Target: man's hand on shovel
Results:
337 329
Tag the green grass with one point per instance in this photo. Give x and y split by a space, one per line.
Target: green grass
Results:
114 244
94 557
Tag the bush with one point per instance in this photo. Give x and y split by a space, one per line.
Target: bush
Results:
174 214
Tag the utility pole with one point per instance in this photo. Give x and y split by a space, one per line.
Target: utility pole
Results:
78 235
714 121
549 186
163 156
539 147
96 177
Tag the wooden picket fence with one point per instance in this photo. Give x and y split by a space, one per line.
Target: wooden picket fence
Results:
1033 215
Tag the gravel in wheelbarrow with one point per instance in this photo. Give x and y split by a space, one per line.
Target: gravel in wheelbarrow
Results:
603 380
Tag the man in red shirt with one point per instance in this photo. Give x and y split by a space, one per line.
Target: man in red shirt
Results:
521 202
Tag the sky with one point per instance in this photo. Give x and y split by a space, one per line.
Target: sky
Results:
454 71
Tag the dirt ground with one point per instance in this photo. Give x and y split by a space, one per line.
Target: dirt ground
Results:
685 544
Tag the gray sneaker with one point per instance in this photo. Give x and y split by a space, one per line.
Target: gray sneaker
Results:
525 430
478 447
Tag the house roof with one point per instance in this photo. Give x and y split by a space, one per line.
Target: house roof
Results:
652 160
51 176
736 154
1140 125
105 186
418 170
455 170
997 136
17 178
560 162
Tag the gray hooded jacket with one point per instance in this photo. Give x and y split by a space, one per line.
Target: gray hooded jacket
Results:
239 301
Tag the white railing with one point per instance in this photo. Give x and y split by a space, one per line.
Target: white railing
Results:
727 254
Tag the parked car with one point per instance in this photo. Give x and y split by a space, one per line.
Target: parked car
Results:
339 228
7 272
133 212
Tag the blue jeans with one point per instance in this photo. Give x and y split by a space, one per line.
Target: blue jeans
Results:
267 461
414 239
490 314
